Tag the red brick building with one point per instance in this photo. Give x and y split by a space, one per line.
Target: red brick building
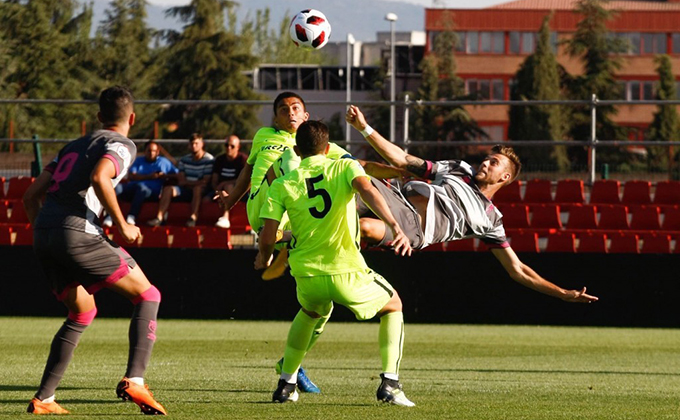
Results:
496 40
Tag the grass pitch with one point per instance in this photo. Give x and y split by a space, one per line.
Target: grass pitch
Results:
224 370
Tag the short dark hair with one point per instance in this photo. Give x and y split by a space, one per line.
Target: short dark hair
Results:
286 95
149 143
115 105
311 137
196 136
509 152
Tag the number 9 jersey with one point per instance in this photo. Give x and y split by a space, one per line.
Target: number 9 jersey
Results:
319 199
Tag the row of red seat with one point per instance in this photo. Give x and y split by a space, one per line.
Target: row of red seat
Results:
590 216
16 187
12 211
603 191
612 242
158 237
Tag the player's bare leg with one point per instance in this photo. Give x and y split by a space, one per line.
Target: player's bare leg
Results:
372 230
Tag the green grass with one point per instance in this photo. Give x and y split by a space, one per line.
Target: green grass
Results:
224 370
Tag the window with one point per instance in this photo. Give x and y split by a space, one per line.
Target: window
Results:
485 38
634 88
675 39
528 42
634 40
514 42
472 42
486 89
648 90
653 43
640 90
497 42
460 46
495 132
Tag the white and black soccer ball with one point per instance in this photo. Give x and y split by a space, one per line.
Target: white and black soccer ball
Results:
310 29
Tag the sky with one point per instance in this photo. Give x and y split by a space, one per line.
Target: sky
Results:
457 4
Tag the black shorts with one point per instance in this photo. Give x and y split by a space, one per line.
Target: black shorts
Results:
406 215
72 258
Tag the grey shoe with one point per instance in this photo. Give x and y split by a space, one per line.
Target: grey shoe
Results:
154 222
390 391
285 392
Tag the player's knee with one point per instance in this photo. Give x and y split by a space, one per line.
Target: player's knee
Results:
372 230
152 294
83 318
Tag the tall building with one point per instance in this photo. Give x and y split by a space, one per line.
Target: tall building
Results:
495 41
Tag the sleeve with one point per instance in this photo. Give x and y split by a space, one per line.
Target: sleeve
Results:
120 154
254 148
435 170
496 238
52 166
169 167
286 163
208 167
337 152
352 170
273 207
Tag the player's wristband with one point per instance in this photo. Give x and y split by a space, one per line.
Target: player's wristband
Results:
367 131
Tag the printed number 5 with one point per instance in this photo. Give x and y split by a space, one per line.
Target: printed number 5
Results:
314 192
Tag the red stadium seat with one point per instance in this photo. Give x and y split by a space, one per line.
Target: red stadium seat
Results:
434 247
5 235
667 193
645 218
178 213
515 216
511 193
582 216
209 213
24 235
569 191
156 237
118 238
18 212
561 242
463 245
624 243
613 217
4 211
605 191
216 238
653 243
184 237
671 218
546 216
637 192
592 242
538 191
239 218
2 187
522 241
18 186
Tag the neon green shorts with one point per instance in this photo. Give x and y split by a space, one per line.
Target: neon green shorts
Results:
365 293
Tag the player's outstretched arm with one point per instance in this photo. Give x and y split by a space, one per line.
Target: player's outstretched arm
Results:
524 275
381 171
227 201
34 195
377 204
266 241
392 153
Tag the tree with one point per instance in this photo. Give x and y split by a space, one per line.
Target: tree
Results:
538 78
440 82
592 44
665 126
205 61
50 55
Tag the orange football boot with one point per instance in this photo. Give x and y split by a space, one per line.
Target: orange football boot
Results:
140 395
38 407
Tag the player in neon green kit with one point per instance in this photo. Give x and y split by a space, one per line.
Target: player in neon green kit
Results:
325 257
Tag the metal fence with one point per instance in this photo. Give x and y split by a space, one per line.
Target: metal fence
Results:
10 167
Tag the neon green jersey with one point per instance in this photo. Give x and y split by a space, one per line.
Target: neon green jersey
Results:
319 199
268 144
289 160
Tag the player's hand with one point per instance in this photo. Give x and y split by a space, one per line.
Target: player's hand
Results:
221 198
261 263
355 118
129 232
401 244
580 296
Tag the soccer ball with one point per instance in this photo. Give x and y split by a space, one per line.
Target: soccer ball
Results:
310 29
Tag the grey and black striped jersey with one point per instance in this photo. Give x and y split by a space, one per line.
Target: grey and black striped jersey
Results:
456 208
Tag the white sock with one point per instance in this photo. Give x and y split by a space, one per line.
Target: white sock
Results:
137 381
291 378
49 400
393 376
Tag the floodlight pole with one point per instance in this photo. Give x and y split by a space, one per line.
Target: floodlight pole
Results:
392 18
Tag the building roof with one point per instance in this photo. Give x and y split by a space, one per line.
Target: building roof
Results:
622 5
